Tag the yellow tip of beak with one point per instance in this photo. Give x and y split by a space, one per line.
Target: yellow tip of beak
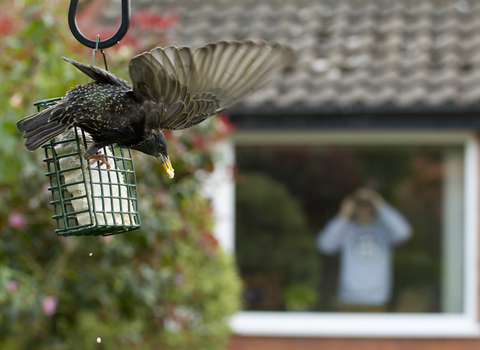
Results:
168 167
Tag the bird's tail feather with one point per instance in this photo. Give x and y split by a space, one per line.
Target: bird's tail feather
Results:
42 135
34 121
38 129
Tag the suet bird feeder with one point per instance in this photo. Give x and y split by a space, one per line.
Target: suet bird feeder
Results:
90 199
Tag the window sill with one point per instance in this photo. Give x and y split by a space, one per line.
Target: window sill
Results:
304 324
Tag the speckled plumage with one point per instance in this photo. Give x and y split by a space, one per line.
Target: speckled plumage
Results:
107 112
172 88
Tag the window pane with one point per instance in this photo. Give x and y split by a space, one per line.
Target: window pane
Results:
286 196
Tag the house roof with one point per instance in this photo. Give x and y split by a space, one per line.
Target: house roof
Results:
355 55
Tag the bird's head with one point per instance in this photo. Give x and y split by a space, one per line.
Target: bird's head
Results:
156 146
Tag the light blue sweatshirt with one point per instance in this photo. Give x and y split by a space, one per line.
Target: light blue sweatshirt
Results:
365 261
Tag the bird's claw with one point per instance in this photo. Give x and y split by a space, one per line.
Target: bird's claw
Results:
99 158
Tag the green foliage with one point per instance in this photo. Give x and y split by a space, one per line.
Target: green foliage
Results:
298 297
167 286
273 237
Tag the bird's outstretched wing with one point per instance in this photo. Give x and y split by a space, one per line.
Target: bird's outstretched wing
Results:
100 75
189 86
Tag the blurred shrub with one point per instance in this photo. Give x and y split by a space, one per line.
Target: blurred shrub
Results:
165 286
299 297
273 240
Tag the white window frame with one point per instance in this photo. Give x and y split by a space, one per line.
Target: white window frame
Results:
321 324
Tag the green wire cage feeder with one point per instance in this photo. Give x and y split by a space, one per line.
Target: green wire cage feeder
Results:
90 199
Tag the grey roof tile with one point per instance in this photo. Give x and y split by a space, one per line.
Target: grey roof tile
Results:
362 52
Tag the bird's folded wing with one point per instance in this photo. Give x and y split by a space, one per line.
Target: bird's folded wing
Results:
189 86
100 75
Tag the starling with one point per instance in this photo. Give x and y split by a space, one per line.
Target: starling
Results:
172 88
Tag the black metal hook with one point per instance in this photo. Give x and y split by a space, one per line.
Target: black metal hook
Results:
103 44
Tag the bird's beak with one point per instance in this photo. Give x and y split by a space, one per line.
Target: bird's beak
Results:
167 165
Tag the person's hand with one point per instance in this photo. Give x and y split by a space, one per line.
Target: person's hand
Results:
347 207
371 195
